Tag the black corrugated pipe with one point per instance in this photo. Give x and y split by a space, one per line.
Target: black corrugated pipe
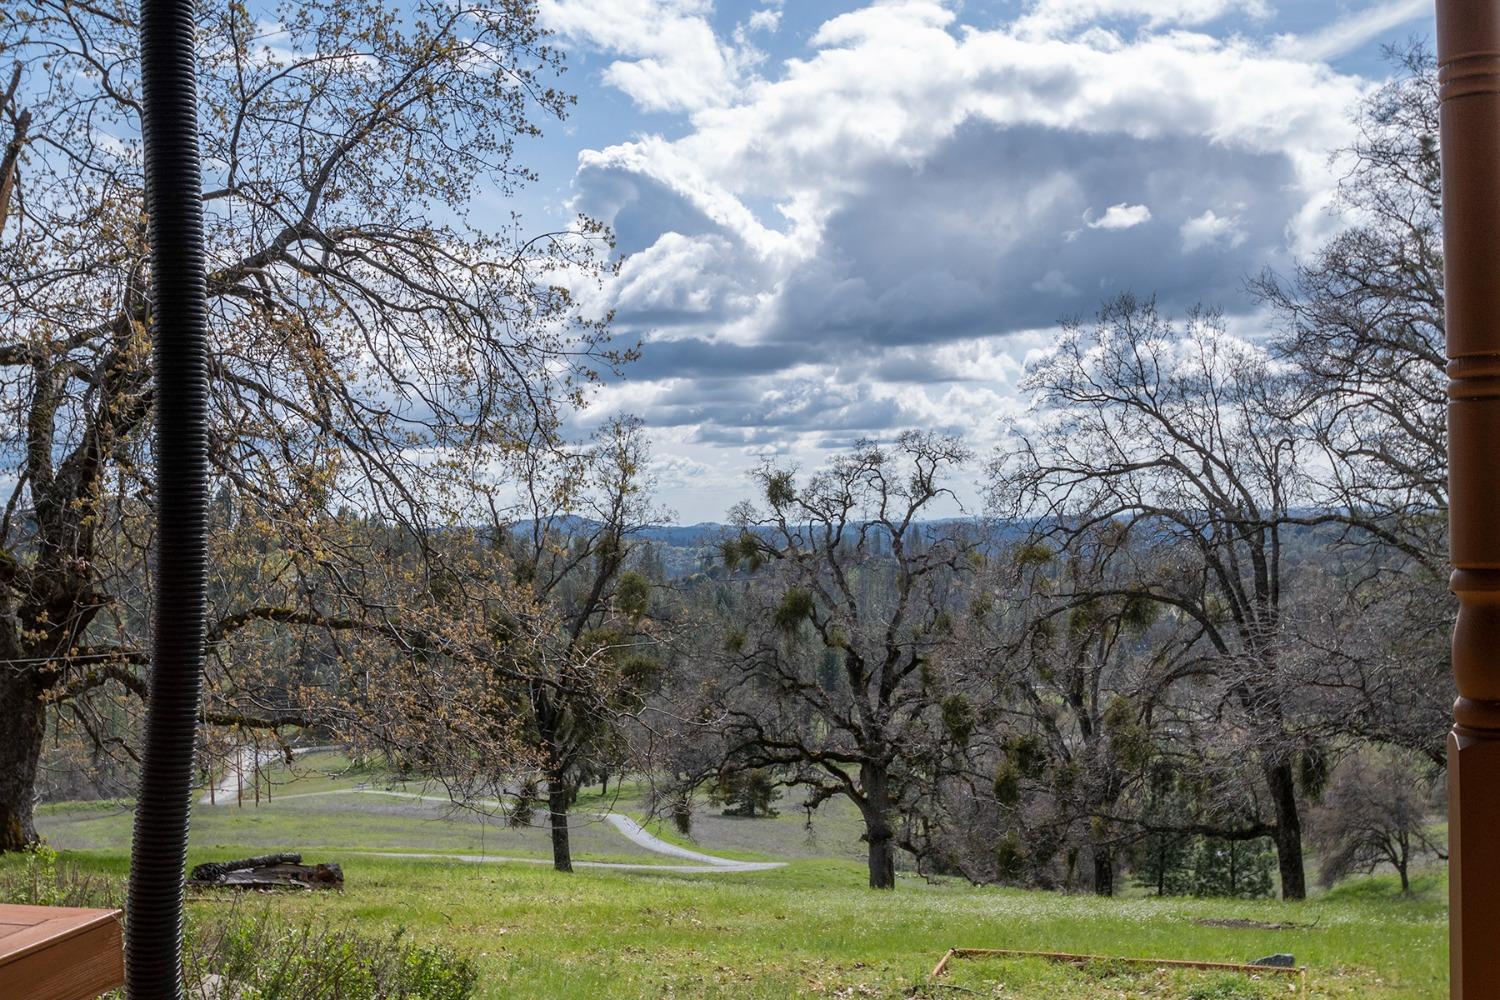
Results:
179 319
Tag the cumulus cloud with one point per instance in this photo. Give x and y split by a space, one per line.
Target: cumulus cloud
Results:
670 58
818 254
767 18
963 244
1211 229
1121 216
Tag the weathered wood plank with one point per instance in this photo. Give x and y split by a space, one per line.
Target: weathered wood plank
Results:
60 953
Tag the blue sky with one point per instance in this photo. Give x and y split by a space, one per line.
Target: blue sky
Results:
843 219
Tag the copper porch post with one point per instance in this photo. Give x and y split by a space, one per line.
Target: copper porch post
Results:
1468 42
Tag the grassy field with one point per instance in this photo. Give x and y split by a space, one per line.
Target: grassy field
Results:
325 805
808 929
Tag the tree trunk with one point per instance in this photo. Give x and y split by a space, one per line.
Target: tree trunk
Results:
1104 872
557 811
1288 830
878 833
23 727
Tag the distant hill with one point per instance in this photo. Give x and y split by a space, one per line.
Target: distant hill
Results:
687 535
685 549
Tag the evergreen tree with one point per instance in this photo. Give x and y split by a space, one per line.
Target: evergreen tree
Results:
748 793
1233 868
1163 863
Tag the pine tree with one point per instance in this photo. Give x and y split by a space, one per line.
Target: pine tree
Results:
1234 868
1163 863
748 793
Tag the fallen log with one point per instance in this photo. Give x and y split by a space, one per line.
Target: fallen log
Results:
271 871
211 871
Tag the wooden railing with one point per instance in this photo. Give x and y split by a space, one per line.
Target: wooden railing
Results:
59 952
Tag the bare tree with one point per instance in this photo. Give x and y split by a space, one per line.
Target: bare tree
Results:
836 673
373 351
1086 674
1176 434
1362 328
1376 810
1363 325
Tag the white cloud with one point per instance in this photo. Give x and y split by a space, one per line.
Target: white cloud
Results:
768 18
670 57
886 88
764 20
906 185
1048 17
677 279
891 82
1210 229
1121 216
1349 33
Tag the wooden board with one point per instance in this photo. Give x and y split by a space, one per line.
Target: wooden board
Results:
59 952
1299 972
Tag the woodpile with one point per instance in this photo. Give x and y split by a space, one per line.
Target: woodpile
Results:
271 871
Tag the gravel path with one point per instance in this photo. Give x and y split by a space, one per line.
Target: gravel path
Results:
232 782
633 831
703 864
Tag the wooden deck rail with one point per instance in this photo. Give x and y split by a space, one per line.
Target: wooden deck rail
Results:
1299 972
59 953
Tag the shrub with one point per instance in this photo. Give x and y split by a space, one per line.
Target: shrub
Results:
261 958
236 956
41 879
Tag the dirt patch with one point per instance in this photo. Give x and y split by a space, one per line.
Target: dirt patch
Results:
1240 924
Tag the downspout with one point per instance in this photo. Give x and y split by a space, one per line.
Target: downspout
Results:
179 326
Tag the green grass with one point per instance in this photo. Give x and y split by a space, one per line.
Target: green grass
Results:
301 814
812 929
1038 978
809 929
833 833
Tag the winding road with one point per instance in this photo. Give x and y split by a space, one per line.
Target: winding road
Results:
702 864
231 783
